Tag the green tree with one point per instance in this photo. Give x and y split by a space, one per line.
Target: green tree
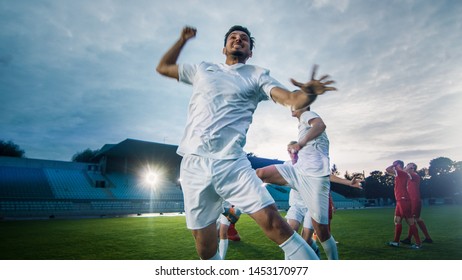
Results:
84 156
10 149
379 185
440 166
444 182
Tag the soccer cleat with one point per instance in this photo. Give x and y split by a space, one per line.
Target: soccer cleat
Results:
393 244
415 246
406 241
427 240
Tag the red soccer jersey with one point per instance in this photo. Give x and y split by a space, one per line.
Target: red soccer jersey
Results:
401 185
413 186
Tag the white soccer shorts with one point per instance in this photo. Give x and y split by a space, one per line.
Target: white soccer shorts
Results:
207 182
300 214
313 190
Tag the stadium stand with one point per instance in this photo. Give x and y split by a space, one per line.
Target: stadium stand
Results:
29 183
280 195
73 184
112 184
341 202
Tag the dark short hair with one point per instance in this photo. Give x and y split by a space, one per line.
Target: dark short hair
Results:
292 143
243 29
398 162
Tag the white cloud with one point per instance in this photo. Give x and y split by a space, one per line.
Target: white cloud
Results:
78 74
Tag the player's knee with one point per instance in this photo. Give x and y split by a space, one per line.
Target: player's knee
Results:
277 223
268 218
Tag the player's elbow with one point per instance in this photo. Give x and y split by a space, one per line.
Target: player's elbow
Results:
168 70
161 70
260 173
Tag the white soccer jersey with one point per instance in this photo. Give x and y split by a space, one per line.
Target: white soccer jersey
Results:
313 158
221 107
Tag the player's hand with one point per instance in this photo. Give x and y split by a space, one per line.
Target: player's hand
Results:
294 148
188 32
314 86
356 183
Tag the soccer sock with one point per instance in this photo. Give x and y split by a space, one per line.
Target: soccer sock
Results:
330 248
223 248
296 248
314 246
415 233
409 234
423 227
398 230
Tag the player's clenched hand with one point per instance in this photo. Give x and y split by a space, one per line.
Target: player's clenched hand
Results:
315 86
356 183
188 32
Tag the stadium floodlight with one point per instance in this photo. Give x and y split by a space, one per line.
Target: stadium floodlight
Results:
151 177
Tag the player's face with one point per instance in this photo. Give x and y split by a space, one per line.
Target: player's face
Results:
238 44
410 167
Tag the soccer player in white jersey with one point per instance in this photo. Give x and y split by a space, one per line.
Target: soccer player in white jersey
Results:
310 176
298 212
214 165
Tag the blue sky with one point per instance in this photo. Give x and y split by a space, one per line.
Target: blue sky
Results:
80 74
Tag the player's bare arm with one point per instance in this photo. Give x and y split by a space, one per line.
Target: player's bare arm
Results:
317 127
167 65
354 183
391 170
306 95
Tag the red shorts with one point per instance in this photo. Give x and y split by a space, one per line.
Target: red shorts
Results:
416 208
403 209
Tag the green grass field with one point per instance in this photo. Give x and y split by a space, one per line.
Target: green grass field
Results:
362 235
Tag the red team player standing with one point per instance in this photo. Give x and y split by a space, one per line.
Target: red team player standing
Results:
403 205
413 188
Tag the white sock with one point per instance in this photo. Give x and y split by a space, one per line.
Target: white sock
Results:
223 248
330 248
215 258
314 246
296 248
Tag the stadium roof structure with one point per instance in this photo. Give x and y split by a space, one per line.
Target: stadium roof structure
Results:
132 148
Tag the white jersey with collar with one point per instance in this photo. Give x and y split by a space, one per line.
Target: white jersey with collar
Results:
313 158
221 107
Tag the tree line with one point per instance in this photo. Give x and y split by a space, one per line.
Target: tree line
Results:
10 149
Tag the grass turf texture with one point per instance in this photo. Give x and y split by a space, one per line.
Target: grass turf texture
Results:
362 235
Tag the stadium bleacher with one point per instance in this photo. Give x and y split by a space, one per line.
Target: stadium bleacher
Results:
72 184
24 183
32 188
